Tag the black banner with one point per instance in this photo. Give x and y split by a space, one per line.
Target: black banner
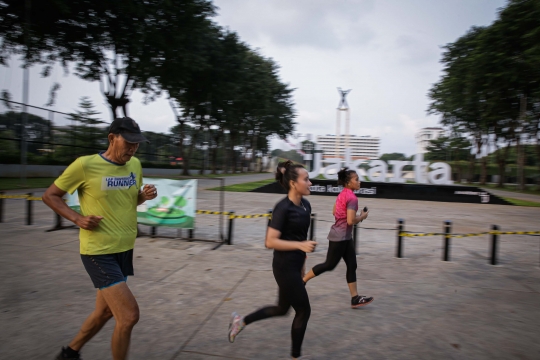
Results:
424 192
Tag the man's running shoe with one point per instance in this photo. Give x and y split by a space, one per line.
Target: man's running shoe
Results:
360 300
64 356
235 326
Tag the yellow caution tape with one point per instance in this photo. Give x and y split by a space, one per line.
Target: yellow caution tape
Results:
231 214
494 232
248 216
13 196
207 212
34 198
515 232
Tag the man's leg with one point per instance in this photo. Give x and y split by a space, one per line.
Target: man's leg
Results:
125 310
93 323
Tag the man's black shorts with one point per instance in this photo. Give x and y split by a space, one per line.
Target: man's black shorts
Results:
109 269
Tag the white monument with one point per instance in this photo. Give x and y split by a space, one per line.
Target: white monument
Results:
342 107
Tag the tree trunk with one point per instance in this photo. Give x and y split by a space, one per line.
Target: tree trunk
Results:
253 149
188 154
501 159
472 163
214 151
479 144
483 176
519 149
181 152
538 161
520 173
231 148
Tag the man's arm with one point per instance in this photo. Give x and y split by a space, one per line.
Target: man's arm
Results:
53 199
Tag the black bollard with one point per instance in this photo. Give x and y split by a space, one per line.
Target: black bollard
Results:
29 210
312 226
58 222
153 231
191 234
269 217
1 207
446 240
355 238
231 228
494 239
401 226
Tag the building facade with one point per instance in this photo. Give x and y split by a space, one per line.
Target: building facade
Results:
424 136
362 147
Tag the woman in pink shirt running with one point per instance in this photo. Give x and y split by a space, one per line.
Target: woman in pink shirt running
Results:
340 236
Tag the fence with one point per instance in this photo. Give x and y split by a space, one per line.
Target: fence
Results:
401 233
57 138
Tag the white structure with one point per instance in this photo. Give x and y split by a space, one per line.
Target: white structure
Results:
361 147
424 136
343 106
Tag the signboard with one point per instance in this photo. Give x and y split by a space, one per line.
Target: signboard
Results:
438 173
423 192
173 207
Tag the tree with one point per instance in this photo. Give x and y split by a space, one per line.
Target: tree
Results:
124 44
240 94
85 130
393 156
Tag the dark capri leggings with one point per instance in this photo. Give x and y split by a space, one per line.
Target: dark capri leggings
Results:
292 292
336 251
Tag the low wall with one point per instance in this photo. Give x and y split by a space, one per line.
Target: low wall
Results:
445 193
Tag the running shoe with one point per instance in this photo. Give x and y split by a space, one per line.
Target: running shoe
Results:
360 300
235 326
63 356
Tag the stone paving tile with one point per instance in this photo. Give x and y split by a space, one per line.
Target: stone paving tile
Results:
424 308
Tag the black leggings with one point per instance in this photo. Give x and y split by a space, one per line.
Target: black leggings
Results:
292 292
336 251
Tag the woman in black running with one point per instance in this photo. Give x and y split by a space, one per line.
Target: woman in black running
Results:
287 234
341 245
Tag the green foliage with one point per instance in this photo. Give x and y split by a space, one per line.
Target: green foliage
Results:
31 183
289 155
245 187
489 89
227 96
446 148
393 156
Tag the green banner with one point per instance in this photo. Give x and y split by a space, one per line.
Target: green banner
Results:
174 206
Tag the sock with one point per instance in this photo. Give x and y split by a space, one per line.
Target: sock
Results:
70 353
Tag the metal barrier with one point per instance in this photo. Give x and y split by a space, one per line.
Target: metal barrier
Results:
447 235
153 232
401 232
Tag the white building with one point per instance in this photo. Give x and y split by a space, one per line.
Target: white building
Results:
362 147
424 136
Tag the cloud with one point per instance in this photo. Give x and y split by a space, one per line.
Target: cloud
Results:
315 23
414 51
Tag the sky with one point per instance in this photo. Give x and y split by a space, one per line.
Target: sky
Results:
386 51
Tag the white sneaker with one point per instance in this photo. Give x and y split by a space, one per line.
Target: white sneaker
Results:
235 326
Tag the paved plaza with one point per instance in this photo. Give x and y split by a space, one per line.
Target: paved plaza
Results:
424 308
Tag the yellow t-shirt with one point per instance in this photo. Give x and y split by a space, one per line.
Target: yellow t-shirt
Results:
109 190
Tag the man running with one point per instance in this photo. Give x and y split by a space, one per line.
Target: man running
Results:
108 186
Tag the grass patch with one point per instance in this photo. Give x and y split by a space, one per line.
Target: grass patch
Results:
529 189
208 176
245 187
519 202
31 183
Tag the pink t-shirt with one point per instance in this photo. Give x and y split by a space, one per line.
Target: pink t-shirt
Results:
341 231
